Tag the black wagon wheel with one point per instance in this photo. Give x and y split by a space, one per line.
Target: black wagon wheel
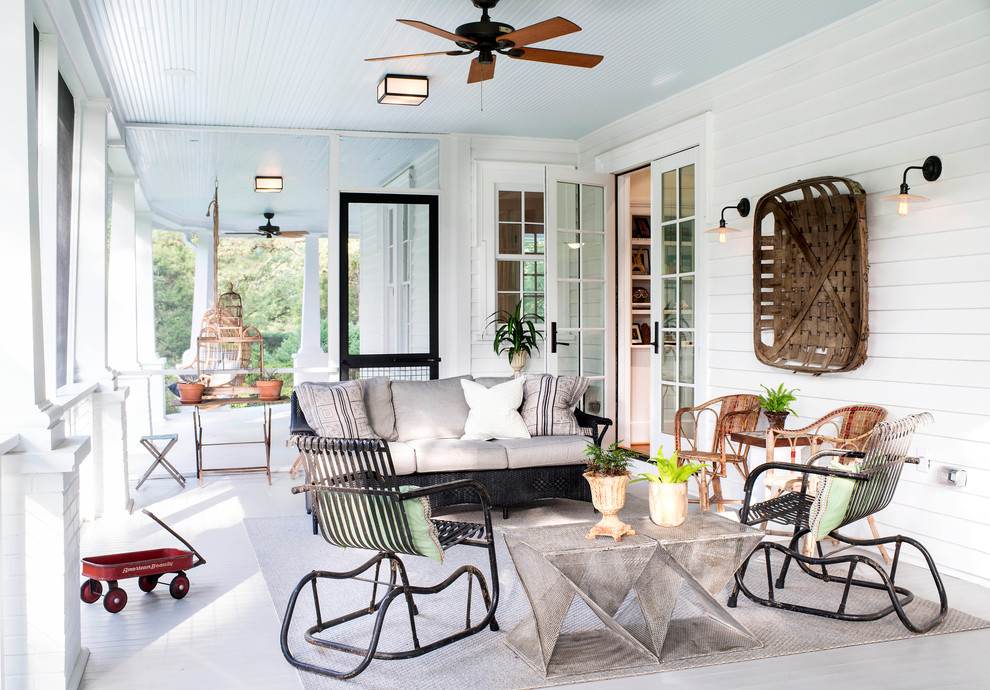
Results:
115 600
147 582
180 586
90 591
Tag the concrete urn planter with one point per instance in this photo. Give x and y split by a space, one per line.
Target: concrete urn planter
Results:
668 503
517 362
608 494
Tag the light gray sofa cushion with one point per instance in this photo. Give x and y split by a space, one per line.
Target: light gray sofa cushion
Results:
429 409
543 451
403 457
378 402
455 455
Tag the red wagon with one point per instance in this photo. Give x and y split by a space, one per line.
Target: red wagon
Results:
148 566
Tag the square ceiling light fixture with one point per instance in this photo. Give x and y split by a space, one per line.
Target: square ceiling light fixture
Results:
403 89
268 185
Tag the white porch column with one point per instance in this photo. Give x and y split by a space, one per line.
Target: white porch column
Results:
88 315
122 335
40 626
147 354
203 297
47 193
310 352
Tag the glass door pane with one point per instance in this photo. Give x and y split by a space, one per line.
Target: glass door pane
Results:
579 289
388 305
674 362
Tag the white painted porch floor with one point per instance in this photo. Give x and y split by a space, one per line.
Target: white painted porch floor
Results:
225 633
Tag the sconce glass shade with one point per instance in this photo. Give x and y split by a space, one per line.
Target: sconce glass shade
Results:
268 185
931 169
903 201
742 208
721 230
400 89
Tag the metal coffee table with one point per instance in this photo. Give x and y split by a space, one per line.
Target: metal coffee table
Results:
632 588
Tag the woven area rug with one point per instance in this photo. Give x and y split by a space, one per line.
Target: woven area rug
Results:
287 550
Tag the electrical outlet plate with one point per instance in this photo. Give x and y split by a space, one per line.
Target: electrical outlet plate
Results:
953 476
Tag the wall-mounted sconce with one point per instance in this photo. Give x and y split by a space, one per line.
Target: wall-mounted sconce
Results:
931 169
268 185
742 207
403 89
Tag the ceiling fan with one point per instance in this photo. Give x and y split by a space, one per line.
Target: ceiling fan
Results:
487 37
269 231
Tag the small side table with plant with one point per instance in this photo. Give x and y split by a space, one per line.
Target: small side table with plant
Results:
516 335
668 489
607 474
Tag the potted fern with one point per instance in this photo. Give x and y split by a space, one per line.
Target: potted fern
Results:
516 335
776 404
668 489
607 474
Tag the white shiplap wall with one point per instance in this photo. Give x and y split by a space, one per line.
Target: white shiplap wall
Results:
864 98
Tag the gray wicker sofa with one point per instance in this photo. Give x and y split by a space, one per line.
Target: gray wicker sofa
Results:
422 421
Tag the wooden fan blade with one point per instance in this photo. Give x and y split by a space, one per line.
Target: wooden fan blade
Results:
423 26
293 233
480 72
398 57
551 28
559 57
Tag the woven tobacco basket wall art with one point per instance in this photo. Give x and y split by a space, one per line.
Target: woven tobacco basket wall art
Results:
809 276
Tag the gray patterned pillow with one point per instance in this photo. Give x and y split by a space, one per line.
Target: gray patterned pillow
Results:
337 411
549 402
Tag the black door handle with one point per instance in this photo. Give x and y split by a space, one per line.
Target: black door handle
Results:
553 338
656 337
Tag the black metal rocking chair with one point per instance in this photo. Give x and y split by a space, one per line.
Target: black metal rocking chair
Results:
357 502
882 460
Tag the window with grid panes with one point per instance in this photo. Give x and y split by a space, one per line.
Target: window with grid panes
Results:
519 257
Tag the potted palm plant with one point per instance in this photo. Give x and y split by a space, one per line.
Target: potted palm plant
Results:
269 386
515 334
607 474
776 404
668 489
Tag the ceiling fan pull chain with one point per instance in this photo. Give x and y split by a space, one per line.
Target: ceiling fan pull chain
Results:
481 91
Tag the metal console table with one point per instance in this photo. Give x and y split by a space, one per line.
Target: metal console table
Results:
557 563
266 422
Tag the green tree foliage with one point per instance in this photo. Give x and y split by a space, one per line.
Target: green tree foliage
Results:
174 266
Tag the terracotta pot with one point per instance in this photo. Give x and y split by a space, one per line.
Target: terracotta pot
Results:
269 390
191 392
608 495
668 503
517 362
775 419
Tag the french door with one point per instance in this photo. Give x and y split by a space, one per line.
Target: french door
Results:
388 286
676 211
580 282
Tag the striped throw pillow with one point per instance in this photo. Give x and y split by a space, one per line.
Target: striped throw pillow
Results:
549 402
337 412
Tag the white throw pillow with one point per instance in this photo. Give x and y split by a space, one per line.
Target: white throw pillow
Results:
494 411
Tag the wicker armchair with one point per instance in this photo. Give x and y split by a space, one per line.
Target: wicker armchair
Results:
358 502
874 482
731 413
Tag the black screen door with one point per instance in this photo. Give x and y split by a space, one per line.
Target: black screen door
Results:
389 307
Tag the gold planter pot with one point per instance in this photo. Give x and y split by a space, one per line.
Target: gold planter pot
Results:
608 494
668 503
517 362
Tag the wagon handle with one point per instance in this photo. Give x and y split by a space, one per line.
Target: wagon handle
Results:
175 534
